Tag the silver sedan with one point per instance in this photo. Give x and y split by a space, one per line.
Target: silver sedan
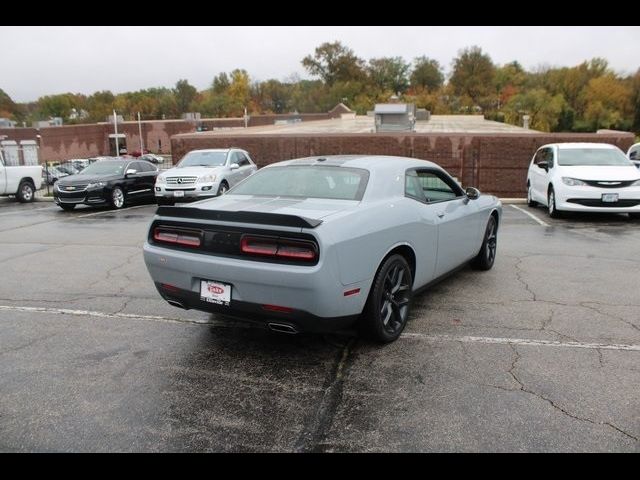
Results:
323 243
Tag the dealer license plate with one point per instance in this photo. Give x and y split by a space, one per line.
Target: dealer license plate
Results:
178 193
609 197
215 292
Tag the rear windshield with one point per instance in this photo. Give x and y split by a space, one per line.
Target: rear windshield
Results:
306 181
592 156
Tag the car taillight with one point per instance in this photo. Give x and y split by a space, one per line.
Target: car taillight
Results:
279 248
185 238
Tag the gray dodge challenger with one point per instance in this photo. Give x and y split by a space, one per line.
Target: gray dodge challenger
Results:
323 243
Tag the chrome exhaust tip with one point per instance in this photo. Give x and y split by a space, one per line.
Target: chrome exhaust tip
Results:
176 303
282 328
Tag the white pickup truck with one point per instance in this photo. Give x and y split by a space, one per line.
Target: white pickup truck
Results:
21 181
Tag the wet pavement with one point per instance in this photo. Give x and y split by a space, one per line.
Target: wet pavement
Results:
542 353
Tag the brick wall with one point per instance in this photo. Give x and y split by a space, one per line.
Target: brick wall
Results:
495 163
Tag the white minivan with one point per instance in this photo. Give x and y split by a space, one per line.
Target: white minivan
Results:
203 173
583 177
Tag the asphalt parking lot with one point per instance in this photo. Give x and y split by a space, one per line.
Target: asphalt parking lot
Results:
542 353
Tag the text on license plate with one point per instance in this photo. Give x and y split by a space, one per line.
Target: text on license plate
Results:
178 193
609 197
215 292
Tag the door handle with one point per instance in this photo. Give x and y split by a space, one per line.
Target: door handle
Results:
441 214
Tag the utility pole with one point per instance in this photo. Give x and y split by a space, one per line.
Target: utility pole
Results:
140 131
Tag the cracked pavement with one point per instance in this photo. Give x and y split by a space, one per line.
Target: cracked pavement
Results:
103 364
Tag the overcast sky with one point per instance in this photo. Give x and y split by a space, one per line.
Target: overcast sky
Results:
38 61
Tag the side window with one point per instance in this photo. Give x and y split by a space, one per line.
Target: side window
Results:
251 162
241 159
539 156
435 188
412 186
233 158
549 157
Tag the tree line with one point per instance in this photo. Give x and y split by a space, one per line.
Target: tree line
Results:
584 97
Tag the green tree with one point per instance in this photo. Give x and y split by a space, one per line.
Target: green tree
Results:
184 94
239 92
426 74
334 62
607 100
220 83
389 73
473 77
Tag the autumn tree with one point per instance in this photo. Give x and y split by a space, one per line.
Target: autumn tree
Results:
334 62
473 76
426 74
184 94
389 73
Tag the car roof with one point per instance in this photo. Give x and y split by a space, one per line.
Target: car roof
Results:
215 149
578 145
368 162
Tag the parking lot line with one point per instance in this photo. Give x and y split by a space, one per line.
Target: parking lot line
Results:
109 211
522 341
407 335
541 222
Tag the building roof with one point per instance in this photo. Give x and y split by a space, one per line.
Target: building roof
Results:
391 108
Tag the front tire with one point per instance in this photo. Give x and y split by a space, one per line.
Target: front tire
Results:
530 201
634 216
551 204
487 254
222 189
387 309
26 192
117 198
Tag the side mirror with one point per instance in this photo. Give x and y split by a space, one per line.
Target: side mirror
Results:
472 193
131 171
544 164
234 166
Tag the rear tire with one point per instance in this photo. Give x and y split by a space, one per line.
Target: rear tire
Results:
26 192
487 254
387 309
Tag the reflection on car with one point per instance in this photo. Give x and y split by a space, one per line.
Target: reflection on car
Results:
322 244
583 177
107 182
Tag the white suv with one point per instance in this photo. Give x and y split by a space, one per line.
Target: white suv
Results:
203 173
583 177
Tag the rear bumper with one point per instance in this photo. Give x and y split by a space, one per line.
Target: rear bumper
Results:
299 320
314 293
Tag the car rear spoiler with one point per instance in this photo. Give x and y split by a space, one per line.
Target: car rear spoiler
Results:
260 218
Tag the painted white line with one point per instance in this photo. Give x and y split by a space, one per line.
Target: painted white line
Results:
23 212
89 313
541 222
521 341
110 211
418 336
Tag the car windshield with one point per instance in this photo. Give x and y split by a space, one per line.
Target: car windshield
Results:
203 159
592 157
104 167
306 181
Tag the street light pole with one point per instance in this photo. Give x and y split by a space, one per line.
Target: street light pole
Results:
115 128
140 131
